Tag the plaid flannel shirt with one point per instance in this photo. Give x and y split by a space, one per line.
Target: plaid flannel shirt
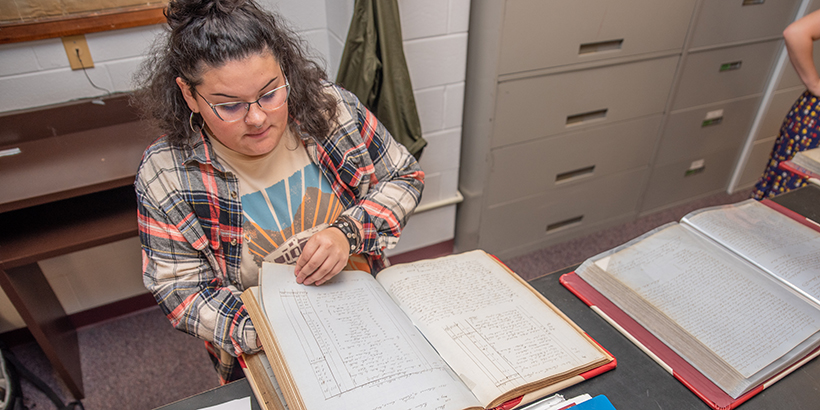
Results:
190 218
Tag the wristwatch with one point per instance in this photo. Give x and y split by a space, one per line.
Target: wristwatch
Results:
349 229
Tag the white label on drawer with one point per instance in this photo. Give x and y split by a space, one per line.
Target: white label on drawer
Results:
9 152
711 115
697 164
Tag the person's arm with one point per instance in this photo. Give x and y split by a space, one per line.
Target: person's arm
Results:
385 170
192 296
800 37
394 188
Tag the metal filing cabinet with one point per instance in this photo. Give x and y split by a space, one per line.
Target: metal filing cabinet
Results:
579 112
725 71
578 96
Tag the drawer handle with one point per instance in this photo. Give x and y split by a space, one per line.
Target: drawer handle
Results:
564 223
600 47
735 65
695 168
586 117
753 2
578 173
711 121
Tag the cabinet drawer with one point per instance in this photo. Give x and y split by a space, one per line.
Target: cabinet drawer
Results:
685 180
548 217
536 107
540 34
556 164
706 129
725 73
722 21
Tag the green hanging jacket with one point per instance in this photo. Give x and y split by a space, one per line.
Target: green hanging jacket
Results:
373 67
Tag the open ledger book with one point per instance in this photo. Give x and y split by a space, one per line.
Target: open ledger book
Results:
458 332
733 291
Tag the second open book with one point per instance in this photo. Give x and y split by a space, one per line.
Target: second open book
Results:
733 290
459 332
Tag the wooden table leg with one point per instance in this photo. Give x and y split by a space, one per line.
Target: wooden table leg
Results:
29 292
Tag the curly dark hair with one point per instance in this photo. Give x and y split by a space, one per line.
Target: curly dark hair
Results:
206 34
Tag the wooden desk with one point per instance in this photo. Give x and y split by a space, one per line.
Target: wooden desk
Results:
69 188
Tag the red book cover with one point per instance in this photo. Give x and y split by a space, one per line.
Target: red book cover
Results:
797 169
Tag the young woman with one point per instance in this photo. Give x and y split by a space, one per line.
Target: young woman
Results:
261 159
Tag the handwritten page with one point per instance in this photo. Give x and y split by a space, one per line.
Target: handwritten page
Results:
722 301
349 346
495 333
768 239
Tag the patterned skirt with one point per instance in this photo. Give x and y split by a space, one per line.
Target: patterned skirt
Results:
799 132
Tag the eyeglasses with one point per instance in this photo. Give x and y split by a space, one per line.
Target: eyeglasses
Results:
235 111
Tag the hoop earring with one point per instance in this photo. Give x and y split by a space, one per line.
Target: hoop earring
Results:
191 124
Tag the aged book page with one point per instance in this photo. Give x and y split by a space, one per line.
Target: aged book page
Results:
768 239
346 345
726 317
495 331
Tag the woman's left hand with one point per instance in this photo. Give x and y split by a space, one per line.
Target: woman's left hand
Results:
324 256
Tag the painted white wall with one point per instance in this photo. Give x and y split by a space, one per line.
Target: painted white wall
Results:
435 47
37 73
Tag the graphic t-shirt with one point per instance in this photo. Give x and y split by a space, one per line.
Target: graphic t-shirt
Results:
285 199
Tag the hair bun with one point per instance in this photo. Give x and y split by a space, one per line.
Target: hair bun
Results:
180 13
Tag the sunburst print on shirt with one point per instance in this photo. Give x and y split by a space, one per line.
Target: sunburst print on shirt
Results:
280 218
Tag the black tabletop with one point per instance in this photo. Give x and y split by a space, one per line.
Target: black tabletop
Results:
637 382
804 200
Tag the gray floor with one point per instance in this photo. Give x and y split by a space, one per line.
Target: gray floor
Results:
140 362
